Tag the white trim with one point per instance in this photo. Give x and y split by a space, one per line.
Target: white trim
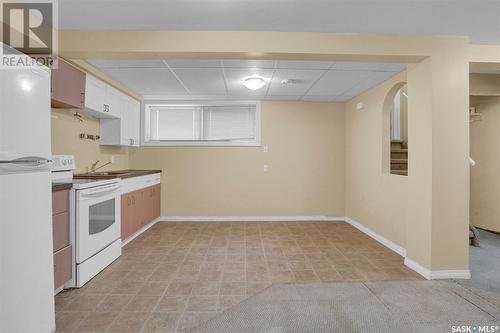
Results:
451 274
140 231
247 218
426 273
384 241
437 275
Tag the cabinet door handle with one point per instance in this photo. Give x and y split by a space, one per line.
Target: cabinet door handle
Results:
83 98
104 108
133 200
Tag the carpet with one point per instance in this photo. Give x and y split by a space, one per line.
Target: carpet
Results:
386 306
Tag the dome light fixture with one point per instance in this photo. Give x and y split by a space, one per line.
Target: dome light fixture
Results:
254 82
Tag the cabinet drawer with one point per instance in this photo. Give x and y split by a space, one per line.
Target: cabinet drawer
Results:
60 230
62 266
60 202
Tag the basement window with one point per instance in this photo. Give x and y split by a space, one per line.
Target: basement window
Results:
202 124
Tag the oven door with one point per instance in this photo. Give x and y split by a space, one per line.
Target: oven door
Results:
97 219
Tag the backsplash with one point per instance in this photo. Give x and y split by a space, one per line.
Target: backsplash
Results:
66 130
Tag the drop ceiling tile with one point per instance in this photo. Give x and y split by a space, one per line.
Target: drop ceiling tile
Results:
148 81
202 81
116 63
304 80
235 63
335 83
234 80
371 81
282 98
320 98
299 64
358 66
194 63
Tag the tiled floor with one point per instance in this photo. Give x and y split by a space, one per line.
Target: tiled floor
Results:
177 275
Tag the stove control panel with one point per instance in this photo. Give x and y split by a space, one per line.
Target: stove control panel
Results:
63 162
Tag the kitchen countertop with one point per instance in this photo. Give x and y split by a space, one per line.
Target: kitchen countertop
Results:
129 173
61 186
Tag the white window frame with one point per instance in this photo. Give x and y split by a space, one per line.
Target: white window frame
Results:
230 143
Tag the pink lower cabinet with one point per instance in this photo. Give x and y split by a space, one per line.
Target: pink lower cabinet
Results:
61 241
60 230
62 266
139 208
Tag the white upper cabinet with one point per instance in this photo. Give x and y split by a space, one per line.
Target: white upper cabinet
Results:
134 121
113 99
101 100
119 113
95 90
122 131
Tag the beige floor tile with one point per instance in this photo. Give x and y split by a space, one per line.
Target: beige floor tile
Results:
190 320
179 288
206 288
305 275
97 321
127 288
129 322
202 303
172 304
85 302
142 303
161 322
233 288
69 321
153 288
114 302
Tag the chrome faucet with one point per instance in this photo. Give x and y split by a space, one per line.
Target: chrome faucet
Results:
93 167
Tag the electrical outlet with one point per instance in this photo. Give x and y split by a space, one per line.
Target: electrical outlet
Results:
266 168
265 149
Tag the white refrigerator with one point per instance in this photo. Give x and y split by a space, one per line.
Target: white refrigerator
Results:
26 259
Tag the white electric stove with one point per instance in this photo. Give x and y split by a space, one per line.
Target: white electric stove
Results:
96 220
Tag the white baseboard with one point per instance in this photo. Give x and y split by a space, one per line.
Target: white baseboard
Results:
247 218
140 231
384 241
426 273
437 275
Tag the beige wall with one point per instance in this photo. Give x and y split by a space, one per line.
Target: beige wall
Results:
65 140
305 177
374 197
485 182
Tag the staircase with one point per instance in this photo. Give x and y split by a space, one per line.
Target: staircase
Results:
399 157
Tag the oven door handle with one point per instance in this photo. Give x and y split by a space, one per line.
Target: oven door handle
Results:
100 190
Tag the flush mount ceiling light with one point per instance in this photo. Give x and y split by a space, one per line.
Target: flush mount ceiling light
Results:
254 82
